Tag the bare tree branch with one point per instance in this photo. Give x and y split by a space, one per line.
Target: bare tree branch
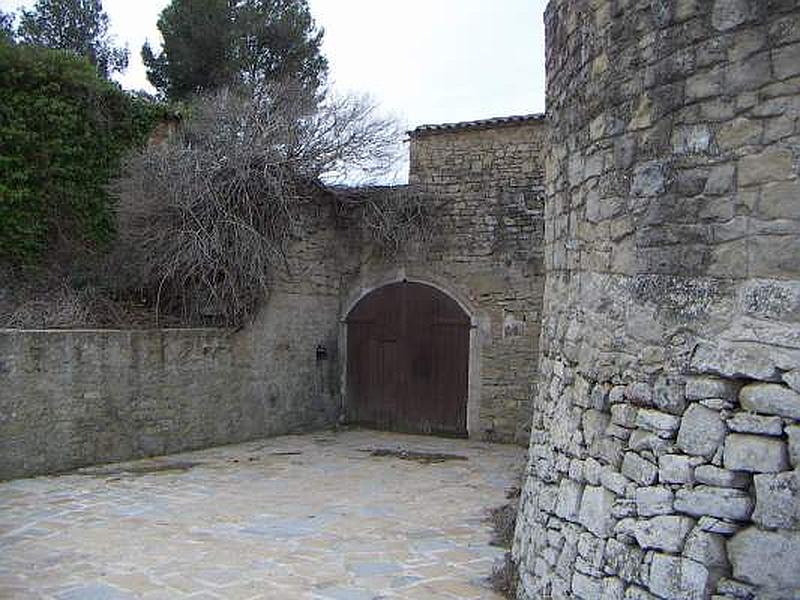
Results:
206 218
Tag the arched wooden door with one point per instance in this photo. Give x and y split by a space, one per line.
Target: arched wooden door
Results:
408 361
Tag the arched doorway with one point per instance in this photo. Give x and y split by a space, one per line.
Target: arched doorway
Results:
408 361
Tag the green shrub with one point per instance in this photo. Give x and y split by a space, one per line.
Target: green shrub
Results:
63 133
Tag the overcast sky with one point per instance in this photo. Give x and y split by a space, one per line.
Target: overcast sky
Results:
425 61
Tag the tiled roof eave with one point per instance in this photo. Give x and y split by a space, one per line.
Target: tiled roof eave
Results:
478 124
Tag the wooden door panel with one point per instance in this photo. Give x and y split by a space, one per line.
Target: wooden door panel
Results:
408 360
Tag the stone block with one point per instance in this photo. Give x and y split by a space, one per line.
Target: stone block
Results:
757 424
705 85
748 74
755 453
702 431
624 561
738 361
639 393
624 508
778 201
715 476
595 512
771 399
768 559
575 472
668 396
581 392
675 468
566 559
724 503
775 164
793 433
587 588
613 589
619 432
617 394
568 501
740 132
613 481
624 415
637 593
649 180
735 589
594 424
590 548
666 533
662 424
640 440
729 14
652 501
623 531
702 387
675 578
639 470
773 255
777 500
792 378
591 471
717 404
608 450
786 61
708 549
691 139
717 526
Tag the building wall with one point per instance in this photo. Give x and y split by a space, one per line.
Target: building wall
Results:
489 181
664 451
75 398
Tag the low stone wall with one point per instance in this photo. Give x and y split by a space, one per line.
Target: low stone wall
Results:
75 398
666 430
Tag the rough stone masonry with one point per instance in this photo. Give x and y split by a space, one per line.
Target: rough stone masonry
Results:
666 430
75 398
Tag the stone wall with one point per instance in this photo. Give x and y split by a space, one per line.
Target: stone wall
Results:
75 398
489 178
666 431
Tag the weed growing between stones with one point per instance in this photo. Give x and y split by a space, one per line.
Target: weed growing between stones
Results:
503 520
504 577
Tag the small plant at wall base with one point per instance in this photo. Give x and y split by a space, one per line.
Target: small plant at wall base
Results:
206 218
503 520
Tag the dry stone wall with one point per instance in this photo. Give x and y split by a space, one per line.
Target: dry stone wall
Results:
664 451
488 178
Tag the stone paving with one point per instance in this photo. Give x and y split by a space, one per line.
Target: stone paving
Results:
307 516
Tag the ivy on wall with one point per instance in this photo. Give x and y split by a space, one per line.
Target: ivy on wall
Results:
63 133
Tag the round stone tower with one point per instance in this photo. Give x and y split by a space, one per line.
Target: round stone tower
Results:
666 431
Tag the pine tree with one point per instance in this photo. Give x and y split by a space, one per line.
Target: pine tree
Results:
6 26
209 44
79 26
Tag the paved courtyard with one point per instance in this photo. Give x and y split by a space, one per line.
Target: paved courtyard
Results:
310 516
